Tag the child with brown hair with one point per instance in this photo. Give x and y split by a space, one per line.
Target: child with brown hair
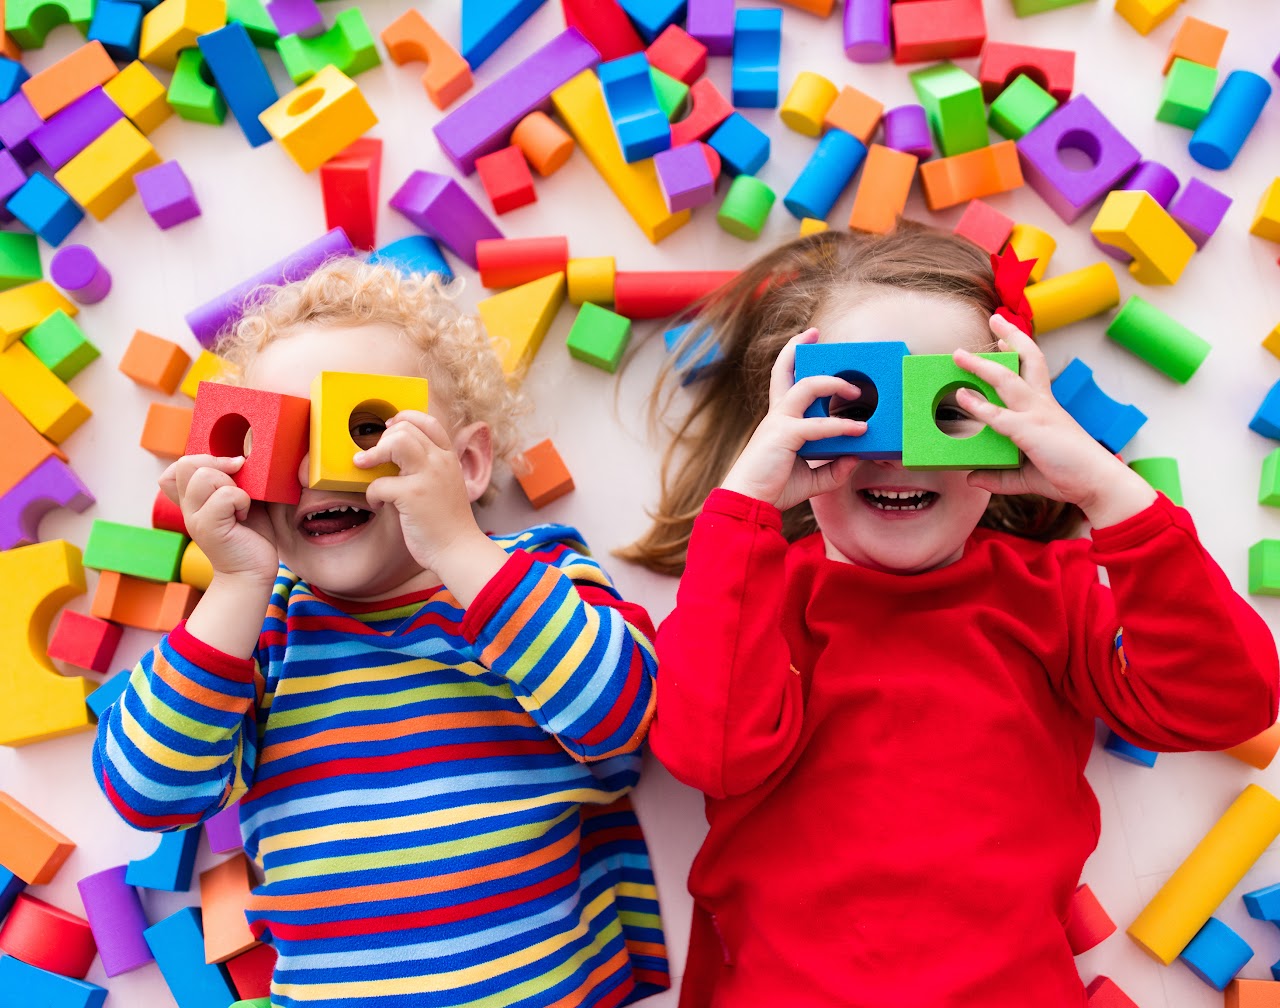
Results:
885 681
431 731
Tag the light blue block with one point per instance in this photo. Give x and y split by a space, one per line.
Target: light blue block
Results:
118 26
1266 421
44 207
107 693
878 365
743 148
414 254
757 50
169 866
830 169
1107 421
639 123
12 75
1216 954
1264 904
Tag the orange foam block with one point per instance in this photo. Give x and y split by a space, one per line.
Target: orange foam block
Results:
56 87
154 362
224 894
24 448
854 112
882 192
547 477
29 847
148 605
1260 750
166 430
1197 41
411 39
1252 994
972 175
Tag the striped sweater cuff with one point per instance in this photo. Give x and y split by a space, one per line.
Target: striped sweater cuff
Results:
486 605
210 658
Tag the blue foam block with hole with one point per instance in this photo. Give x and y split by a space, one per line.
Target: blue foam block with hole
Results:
169 866
878 363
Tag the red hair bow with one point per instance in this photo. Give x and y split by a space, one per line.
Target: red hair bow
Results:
1011 275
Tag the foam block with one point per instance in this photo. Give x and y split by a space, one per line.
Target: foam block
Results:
444 210
1127 751
1136 223
224 894
1216 954
348 46
867 31
952 101
937 30
1088 924
708 108
486 24
883 190
506 179
335 396
543 476
1165 344
51 484
61 346
83 641
40 987
242 78
926 380
169 866
350 181
639 124
100 177
178 945
659 293
1001 62
1072 297
416 254
146 605
1107 421
76 126
117 919
598 336
757 49
876 368
79 272
167 194
974 175
517 320
854 112
829 170
711 23
46 402
1230 120
57 86
29 847
320 118
409 38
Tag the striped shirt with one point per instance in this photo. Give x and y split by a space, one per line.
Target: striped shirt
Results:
437 798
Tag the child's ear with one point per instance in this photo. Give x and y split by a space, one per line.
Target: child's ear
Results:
473 445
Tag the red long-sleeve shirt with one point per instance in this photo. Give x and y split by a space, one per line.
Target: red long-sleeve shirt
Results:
894 765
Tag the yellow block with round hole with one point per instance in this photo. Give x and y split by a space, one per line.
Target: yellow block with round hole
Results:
100 177
1030 242
1134 222
337 396
592 280
1266 220
1073 297
174 25
316 120
195 570
139 94
807 102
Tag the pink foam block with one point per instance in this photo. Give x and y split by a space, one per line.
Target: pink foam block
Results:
116 919
444 210
296 17
985 226
866 31
1199 209
167 194
684 176
906 129
711 23
79 272
49 485
223 830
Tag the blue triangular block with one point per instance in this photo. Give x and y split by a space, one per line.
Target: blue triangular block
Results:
486 24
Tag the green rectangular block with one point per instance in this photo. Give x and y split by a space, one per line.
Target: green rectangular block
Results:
61 345
1024 7
926 380
1269 486
1188 93
19 259
348 45
599 336
154 554
1020 108
1264 567
953 104
1161 474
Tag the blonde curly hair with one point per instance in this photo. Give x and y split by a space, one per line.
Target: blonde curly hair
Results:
350 291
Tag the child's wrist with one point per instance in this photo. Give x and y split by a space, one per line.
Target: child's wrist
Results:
1120 495
467 564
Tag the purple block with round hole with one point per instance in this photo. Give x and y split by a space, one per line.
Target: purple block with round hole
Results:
296 17
49 485
1098 153
167 194
711 23
866 31
444 210
684 177
78 271
1150 177
906 129
1199 209
223 830
18 121
116 920
70 131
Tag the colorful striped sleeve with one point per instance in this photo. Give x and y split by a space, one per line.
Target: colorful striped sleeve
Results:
181 742
580 660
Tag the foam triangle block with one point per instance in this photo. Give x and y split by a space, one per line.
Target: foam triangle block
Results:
486 24
518 319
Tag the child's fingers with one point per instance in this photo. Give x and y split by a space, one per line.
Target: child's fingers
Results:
817 428
1035 369
832 475
998 418
227 501
1011 388
783 375
804 393
175 479
425 422
999 481
404 444
201 487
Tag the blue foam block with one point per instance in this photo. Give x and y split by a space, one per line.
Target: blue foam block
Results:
241 76
1232 115
830 168
177 942
639 123
1111 423
118 26
12 74
757 50
696 360
44 207
1267 420
486 24
10 887
878 364
169 866
1216 954
30 986
1129 752
414 254
651 17
107 693
1264 904
743 148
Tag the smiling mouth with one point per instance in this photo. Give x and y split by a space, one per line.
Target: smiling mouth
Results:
898 500
332 520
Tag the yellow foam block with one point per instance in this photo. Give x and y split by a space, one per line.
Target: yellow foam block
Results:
40 395
174 25
100 177
580 103
206 367
592 280
1073 297
25 307
811 225
806 104
1145 14
1207 876
1266 221
1272 341
518 319
1030 242
36 701
139 94
320 118
1135 222
335 397
196 570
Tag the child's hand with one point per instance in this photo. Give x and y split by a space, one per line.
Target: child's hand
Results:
233 533
1063 462
769 468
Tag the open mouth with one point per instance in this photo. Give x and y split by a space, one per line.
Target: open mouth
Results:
332 520
898 500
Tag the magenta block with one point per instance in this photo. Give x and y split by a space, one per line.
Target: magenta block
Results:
1150 177
224 310
75 127
443 209
12 178
116 920
711 23
906 128
166 193
866 31
483 123
1199 209
18 121
684 176
49 485
1080 126
223 830
296 17
79 272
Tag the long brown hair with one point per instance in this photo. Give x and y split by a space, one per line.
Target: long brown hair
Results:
750 319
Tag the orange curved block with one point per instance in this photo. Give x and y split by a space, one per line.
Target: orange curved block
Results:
29 847
1260 750
882 193
410 39
822 8
972 175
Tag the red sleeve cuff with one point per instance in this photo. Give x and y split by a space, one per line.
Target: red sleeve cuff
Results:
210 658
732 504
1141 528
499 588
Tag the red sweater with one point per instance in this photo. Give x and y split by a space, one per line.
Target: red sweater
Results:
894 765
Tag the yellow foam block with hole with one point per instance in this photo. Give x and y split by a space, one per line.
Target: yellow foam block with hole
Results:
518 319
1073 297
100 177
40 395
1266 219
580 104
36 701
174 25
335 396
139 94
1134 222
320 118
25 307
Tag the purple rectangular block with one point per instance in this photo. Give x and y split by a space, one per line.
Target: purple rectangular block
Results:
116 919
75 127
167 194
711 23
18 120
296 17
444 210
223 830
1199 209
482 124
49 485
684 177
12 176
866 31
1078 127
212 316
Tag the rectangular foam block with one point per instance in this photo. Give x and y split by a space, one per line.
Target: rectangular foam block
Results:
178 945
926 379
334 396
242 78
100 177
883 189
147 605
876 368
75 127
47 403
29 847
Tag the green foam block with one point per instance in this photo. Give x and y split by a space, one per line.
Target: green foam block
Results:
953 104
1188 93
671 93
19 259
60 345
192 93
1164 343
1020 108
746 207
1162 475
348 45
926 380
1269 485
155 554
1264 567
599 336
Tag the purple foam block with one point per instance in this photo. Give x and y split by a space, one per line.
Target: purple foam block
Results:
906 129
1078 125
296 17
224 310
49 485
1275 67
711 23
116 920
75 127
1150 177
866 31
223 830
18 121
79 272
482 124
685 177
442 208
12 178
1199 209
167 194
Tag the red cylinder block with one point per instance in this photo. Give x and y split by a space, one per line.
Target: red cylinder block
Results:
641 295
1087 923
509 262
48 937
